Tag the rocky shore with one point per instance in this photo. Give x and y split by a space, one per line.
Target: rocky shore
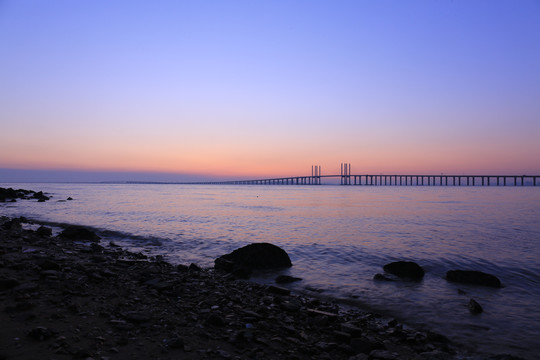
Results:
64 297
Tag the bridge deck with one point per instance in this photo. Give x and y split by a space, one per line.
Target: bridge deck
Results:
395 180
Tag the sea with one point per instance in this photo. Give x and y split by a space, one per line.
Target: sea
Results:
338 238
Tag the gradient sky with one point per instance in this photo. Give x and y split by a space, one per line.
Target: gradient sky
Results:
269 88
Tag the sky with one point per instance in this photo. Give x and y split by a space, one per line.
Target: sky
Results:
255 89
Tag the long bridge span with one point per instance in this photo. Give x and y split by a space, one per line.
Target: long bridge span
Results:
346 177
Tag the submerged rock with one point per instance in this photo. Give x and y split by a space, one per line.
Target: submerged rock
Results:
405 269
474 307
473 277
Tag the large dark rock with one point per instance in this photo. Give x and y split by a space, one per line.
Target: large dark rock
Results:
254 256
405 269
473 277
74 232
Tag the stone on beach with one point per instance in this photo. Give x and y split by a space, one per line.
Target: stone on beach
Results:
74 232
473 278
405 270
44 231
242 261
260 256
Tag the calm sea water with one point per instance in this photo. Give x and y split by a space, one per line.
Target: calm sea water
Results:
338 238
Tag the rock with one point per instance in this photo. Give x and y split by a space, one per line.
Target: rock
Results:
136 317
223 264
242 273
474 307
351 329
259 256
436 355
70 198
47 264
285 279
6 284
12 224
342 336
44 231
215 320
40 196
291 305
383 355
40 333
365 345
405 269
381 277
182 268
177 343
279 290
79 233
359 357
158 284
473 278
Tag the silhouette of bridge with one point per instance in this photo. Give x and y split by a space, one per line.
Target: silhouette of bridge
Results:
346 177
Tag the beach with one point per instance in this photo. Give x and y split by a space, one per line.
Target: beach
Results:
67 298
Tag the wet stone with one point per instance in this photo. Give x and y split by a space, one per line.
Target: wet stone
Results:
6 284
286 279
49 265
40 333
383 355
215 320
279 290
474 307
44 231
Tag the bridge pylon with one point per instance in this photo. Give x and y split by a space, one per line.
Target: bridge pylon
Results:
345 174
315 175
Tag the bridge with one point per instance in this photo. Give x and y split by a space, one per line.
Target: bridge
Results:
346 177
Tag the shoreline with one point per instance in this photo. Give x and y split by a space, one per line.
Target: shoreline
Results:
66 298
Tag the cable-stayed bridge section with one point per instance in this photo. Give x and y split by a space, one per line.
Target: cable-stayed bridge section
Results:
346 177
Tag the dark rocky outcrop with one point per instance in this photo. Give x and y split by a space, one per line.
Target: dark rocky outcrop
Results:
79 233
10 194
405 270
473 278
